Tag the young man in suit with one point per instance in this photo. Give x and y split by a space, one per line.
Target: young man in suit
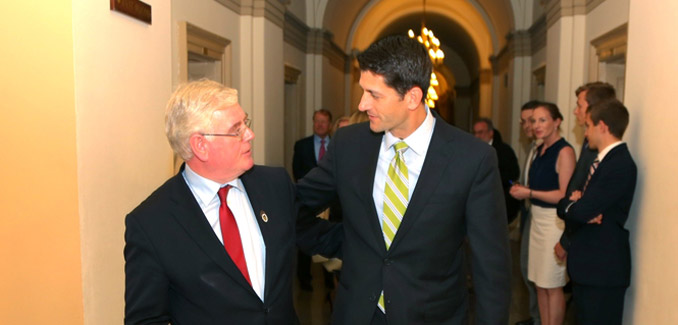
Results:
509 171
525 218
307 152
587 95
599 258
215 244
412 188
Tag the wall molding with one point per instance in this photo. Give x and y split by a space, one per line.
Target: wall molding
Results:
538 35
296 32
273 10
556 9
611 45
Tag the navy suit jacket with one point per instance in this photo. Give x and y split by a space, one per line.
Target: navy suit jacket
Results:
600 255
579 177
304 157
458 195
177 270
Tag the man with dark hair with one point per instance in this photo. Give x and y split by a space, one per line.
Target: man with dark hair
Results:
307 152
412 188
599 258
525 218
509 171
588 94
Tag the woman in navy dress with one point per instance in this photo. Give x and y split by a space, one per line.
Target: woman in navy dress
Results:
549 174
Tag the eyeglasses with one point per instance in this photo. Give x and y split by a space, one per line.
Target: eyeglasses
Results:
239 133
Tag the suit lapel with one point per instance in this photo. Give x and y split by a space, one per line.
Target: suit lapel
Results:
364 181
189 215
436 160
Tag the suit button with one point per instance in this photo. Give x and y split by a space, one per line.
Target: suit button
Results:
388 262
373 297
267 310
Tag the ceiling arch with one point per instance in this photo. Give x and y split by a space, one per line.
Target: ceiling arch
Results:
384 13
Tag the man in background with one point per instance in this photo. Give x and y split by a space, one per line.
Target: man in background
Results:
525 218
587 95
509 171
307 152
599 256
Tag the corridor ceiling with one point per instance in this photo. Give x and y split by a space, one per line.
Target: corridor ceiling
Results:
475 29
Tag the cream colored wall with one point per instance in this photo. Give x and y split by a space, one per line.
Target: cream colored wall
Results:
214 18
605 17
122 82
333 89
40 277
650 96
269 91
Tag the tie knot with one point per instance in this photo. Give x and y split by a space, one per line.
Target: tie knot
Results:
400 146
223 192
322 141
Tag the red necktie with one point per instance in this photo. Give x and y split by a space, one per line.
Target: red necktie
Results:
321 152
231 235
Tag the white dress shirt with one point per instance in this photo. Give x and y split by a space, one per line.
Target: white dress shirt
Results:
414 156
254 248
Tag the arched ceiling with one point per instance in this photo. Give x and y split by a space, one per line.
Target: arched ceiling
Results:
342 16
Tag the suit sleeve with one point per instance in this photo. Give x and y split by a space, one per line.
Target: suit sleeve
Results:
609 187
315 192
297 164
146 285
488 236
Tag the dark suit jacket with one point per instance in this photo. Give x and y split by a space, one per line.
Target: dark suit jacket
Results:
508 171
599 255
458 194
304 157
178 271
579 176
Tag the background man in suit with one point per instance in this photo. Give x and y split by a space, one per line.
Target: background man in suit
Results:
587 95
307 152
599 259
525 218
215 243
509 171
412 188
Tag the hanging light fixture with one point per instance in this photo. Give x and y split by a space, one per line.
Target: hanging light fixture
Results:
436 54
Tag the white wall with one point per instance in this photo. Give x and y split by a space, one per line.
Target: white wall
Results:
122 82
650 96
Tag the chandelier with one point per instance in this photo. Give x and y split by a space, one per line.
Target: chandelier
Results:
436 54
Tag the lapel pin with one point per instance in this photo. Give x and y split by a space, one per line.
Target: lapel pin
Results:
263 215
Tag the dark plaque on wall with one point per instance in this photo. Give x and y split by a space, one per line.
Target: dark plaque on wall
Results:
133 8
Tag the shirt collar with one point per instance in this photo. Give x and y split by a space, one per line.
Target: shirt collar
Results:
607 149
206 189
317 138
419 139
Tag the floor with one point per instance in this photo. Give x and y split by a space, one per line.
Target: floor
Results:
314 309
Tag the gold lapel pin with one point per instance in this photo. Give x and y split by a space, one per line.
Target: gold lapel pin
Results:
263 215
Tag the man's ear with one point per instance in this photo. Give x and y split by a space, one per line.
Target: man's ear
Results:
199 146
414 97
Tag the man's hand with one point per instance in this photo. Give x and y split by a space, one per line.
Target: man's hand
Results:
575 196
597 220
561 253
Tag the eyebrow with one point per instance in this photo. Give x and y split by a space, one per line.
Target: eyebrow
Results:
237 125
